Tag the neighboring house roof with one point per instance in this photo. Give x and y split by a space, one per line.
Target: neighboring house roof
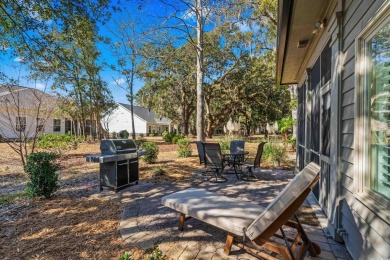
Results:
300 26
147 114
28 98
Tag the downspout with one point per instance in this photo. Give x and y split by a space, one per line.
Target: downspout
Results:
340 231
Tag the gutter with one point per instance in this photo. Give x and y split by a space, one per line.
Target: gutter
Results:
284 20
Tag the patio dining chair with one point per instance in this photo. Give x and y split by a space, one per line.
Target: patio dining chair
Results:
250 226
199 147
249 174
214 161
236 146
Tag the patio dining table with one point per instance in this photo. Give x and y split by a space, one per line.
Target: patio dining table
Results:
234 159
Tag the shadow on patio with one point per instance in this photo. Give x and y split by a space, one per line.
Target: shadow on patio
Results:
145 222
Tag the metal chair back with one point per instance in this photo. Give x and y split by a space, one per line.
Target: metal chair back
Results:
237 146
199 146
259 154
213 156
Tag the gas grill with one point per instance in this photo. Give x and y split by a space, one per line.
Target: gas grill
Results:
118 163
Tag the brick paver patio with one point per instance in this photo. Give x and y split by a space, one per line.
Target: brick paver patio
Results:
145 222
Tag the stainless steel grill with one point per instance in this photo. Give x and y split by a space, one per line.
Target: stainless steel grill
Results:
118 163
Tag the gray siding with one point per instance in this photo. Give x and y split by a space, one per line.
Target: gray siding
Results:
366 230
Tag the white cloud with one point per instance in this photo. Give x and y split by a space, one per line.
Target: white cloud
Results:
40 86
119 81
245 27
190 14
18 59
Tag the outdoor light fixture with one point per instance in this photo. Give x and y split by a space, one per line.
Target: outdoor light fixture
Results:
319 25
302 44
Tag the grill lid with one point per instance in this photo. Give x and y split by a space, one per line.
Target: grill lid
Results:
115 146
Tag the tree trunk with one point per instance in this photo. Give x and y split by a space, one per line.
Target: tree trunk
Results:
199 73
131 90
210 128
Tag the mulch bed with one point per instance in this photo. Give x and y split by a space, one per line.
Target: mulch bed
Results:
63 227
76 223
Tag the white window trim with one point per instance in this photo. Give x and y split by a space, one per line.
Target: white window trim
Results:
54 125
361 164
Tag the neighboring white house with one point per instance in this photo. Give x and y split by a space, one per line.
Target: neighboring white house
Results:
145 121
26 112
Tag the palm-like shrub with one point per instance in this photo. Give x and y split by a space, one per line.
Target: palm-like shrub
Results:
151 152
184 147
274 152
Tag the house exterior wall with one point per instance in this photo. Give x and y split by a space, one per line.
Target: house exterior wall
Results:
8 127
358 222
158 129
120 119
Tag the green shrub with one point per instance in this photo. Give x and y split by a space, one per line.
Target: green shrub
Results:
58 143
41 170
151 152
152 134
274 152
139 142
293 142
126 256
167 136
114 135
175 139
184 147
158 171
141 135
124 134
153 253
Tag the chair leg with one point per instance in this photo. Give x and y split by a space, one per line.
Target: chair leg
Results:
228 244
182 218
218 177
249 175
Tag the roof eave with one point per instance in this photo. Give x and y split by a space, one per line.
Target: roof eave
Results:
284 17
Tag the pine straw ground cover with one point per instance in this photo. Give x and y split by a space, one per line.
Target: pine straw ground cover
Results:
78 222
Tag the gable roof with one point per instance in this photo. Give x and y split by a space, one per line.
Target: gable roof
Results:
29 98
147 114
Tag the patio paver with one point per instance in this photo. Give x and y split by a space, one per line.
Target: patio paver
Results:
145 222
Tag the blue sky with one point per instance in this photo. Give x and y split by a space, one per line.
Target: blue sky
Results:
13 66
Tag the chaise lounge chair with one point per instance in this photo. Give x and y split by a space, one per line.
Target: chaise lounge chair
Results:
250 226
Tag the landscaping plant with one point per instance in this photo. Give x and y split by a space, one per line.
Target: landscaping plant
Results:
151 152
167 136
126 256
41 169
274 152
184 148
58 143
124 134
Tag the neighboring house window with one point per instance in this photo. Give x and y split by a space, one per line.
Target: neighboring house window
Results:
68 126
40 124
373 131
56 125
21 123
166 128
150 129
